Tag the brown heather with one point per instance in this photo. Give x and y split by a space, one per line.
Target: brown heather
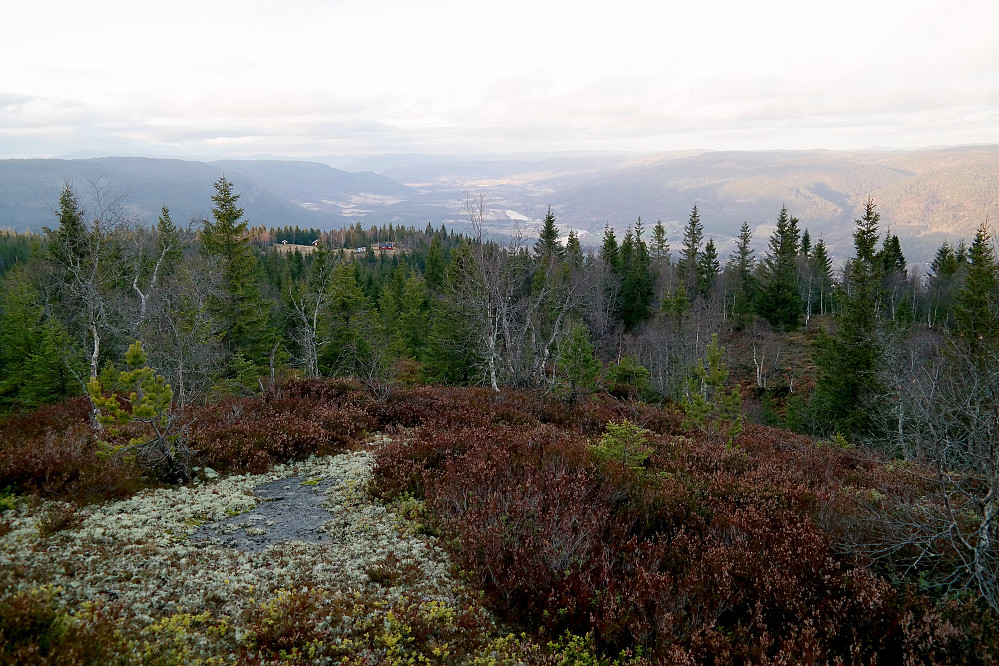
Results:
706 555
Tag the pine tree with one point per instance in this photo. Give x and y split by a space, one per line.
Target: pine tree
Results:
779 299
157 443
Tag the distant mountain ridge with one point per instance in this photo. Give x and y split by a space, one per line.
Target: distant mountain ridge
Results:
272 193
924 196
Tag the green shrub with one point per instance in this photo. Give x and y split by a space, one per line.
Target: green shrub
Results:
625 443
159 443
708 406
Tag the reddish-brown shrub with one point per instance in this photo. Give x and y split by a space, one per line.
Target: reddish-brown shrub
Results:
252 434
52 452
708 555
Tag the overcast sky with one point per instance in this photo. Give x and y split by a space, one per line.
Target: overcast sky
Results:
304 78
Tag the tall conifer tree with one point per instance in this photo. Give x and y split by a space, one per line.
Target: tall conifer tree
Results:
779 300
707 269
976 312
242 310
547 245
739 272
693 234
847 385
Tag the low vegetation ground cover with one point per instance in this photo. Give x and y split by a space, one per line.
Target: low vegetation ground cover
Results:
479 514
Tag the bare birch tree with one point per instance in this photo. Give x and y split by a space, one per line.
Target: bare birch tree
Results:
309 300
520 303
943 427
86 266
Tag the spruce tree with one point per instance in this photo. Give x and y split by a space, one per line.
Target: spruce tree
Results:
779 299
573 250
68 244
38 359
942 282
693 234
739 270
452 351
821 267
241 309
891 257
637 281
350 327
53 366
414 316
169 241
847 385
20 319
436 264
609 250
894 281
708 406
87 268
707 269
547 245
976 312
660 244
577 365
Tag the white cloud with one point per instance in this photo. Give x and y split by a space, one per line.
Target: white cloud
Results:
302 77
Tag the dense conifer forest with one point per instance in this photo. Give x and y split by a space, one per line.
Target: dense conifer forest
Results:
639 451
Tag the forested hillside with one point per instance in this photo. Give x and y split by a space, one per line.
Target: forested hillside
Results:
925 197
296 193
614 474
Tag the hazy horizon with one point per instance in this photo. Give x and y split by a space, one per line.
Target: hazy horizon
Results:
306 79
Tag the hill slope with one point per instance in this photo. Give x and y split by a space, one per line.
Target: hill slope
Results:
272 193
925 196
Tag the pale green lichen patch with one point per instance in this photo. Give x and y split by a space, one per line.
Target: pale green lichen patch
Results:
192 601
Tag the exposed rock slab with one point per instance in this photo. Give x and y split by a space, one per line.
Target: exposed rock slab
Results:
290 510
